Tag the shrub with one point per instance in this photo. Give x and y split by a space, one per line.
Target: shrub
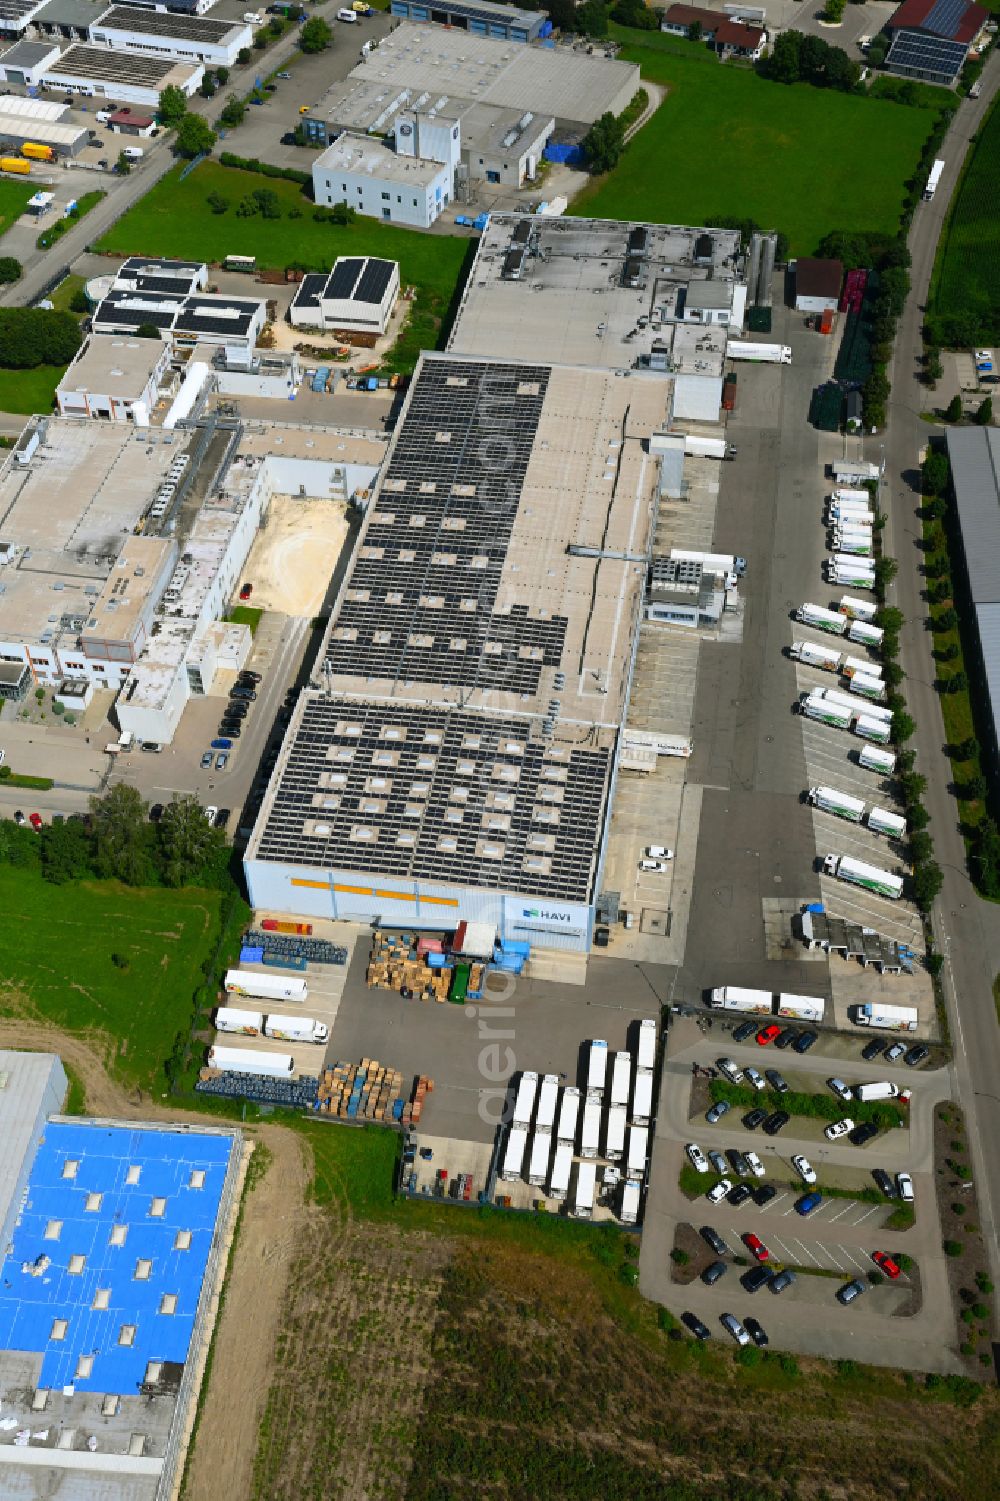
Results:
679 1257
953 1248
10 268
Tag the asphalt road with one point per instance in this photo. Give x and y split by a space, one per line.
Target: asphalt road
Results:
967 929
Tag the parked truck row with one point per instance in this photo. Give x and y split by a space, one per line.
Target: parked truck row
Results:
841 713
807 1008
281 1028
853 809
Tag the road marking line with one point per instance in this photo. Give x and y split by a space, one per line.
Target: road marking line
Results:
846 1210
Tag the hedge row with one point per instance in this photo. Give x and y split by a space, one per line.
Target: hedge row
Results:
253 164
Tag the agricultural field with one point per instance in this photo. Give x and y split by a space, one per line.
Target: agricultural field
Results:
428 1354
728 144
964 305
116 966
176 219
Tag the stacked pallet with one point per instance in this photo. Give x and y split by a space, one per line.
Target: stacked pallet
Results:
361 1091
395 965
412 1112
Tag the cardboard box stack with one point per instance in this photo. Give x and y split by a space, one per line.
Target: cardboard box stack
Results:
412 1111
396 965
361 1091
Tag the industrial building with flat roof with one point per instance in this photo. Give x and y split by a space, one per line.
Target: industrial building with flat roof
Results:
571 86
358 296
16 129
659 298
231 321
362 172
106 1292
17 15
135 28
126 77
974 453
110 377
458 761
478 17
24 64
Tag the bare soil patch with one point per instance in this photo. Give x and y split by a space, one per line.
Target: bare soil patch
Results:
295 555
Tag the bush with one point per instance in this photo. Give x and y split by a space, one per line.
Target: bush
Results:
10 268
79 302
679 1257
953 1248
265 169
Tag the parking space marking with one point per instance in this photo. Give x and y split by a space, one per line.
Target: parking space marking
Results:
873 1209
851 1204
812 1256
774 1202
862 1266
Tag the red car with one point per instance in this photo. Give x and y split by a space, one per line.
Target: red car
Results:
767 1034
35 819
246 591
756 1247
885 1263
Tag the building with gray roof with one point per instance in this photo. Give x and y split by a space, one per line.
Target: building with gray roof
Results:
975 472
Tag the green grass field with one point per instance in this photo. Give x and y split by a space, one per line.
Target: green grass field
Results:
964 287
13 197
728 144
56 963
28 391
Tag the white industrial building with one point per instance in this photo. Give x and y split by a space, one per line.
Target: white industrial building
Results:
358 296
114 379
125 77
456 755
191 38
34 1087
24 64
233 322
362 172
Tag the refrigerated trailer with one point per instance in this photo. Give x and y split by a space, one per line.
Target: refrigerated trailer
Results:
838 803
823 657
597 1066
243 1061
734 998
867 686
852 542
858 609
569 1114
538 1164
805 1008
768 354
846 560
851 665
892 1018
548 1099
864 496
248 1023
814 706
864 634
722 562
873 759
631 1194
583 1194
562 1165
933 179
834 696
524 1100
267 987
621 1078
513 1156
614 1134
646 1053
823 620
642 1098
870 728
841 573
296 1029
869 877
880 821
638 1150
590 1129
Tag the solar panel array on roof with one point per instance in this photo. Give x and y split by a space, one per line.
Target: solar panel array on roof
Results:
14 10
374 280
917 53
343 278
310 290
110 1250
130 19
945 16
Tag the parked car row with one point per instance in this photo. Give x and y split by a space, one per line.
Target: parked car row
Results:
241 696
879 1048
799 1039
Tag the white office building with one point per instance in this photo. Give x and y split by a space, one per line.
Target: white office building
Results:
403 189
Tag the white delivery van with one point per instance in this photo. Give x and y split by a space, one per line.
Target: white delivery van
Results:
132 153
348 16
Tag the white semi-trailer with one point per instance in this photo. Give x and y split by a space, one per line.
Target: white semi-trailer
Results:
513 1157
891 1018
867 686
646 1053
524 1100
296 1029
538 1163
841 572
933 180
815 706
614 1133
638 1151
267 987
248 1023
870 728
849 494
562 1165
804 1008
590 1129
811 655
865 634
642 1099
621 1078
858 609
583 1196
852 475
735 998
873 759
834 696
243 1061
597 1067
822 620
837 803
721 562
548 1099
631 1193
869 877
767 354
881 821
569 1114
851 665
845 560
852 542
708 448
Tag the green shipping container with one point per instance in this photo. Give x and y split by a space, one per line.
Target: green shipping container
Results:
459 983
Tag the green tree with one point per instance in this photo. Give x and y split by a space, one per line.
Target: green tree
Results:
244 56
945 620
187 840
986 857
122 838
194 136
784 64
975 789
10 268
217 203
342 213
67 852
967 749
834 11
315 35
695 32
885 571
233 112
921 847
222 76
984 411
953 411
902 727
958 682
207 87
604 143
592 18
917 817
928 878
173 106
122 164
37 336
79 302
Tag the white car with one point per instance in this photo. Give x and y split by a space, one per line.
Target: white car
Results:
904 1187
756 1166
211 813
657 865
840 1089
730 1069
756 1079
658 852
839 1128
804 1168
697 1157
718 1193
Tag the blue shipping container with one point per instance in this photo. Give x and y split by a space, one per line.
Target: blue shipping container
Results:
249 955
285 961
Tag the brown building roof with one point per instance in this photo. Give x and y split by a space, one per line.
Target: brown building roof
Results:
817 278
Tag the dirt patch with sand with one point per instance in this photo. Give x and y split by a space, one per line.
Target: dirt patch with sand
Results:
295 554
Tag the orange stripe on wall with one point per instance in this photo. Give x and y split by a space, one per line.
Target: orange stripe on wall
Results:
395 896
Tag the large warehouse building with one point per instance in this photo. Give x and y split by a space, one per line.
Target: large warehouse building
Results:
456 756
975 471
126 77
131 28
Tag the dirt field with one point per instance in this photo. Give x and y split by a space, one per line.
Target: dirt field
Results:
294 555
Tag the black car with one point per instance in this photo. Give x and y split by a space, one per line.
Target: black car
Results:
785 1038
697 1328
240 690
756 1278
863 1134
804 1041
744 1030
883 1182
712 1273
156 813
755 1332
872 1049
754 1118
775 1080
776 1122
915 1056
230 729
740 1165
738 1195
248 676
714 1240
764 1194
222 817
237 709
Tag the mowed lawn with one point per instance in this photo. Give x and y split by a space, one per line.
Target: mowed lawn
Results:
13 197
966 282
727 144
26 391
174 219
57 962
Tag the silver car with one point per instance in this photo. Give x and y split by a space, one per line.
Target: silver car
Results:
735 1328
